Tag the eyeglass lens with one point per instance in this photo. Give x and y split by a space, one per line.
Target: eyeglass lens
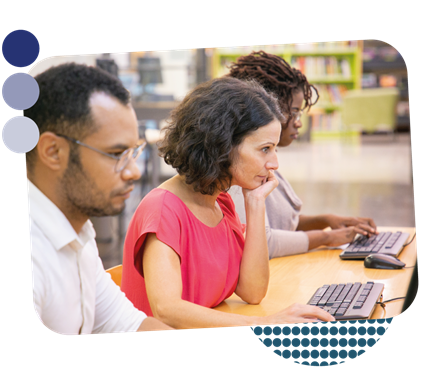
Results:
296 115
127 156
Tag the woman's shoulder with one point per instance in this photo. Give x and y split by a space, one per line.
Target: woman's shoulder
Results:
160 197
224 199
159 203
227 206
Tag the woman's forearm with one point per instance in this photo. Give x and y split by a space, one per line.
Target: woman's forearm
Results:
254 269
317 238
309 223
183 314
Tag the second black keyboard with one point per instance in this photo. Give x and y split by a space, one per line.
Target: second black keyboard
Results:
348 301
389 243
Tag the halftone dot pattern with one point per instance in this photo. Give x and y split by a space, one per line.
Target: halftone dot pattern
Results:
325 343
20 91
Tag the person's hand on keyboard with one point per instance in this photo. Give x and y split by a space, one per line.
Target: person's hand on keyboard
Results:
299 313
341 236
362 225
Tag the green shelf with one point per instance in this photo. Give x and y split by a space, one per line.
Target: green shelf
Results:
353 55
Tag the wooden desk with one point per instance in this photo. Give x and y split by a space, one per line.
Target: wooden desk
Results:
294 279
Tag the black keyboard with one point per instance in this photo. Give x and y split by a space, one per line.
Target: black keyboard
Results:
348 301
389 243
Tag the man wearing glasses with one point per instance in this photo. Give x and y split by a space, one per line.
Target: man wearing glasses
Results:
83 165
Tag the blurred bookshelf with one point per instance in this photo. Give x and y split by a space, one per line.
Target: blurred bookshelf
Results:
332 67
383 66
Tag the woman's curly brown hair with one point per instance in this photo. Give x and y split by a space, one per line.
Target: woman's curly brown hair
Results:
276 76
205 129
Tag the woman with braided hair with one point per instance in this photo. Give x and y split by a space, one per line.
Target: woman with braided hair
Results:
289 232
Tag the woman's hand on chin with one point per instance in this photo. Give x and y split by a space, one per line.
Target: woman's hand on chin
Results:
262 191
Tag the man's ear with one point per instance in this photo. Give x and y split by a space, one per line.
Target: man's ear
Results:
53 151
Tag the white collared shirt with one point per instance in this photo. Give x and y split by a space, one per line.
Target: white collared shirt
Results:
73 294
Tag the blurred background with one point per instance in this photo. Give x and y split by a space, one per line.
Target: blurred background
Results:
353 156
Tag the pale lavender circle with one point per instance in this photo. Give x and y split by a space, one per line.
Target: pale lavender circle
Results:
20 134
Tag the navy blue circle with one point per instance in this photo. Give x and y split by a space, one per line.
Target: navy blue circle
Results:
362 321
361 330
343 321
314 363
324 363
371 342
333 363
314 342
296 342
343 354
352 342
305 354
258 330
352 321
389 320
315 331
343 330
381 330
277 330
305 363
314 354
361 352
296 330
333 342
267 330
333 330
380 321
277 342
278 352
343 342
352 330
20 48
324 354
286 354
305 342
296 354
324 331
371 321
267 342
333 354
372 330
352 354
286 331
286 342
324 342
305 330
362 342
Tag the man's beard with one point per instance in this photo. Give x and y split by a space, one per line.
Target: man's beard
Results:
82 194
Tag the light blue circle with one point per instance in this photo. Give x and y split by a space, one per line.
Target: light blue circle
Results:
20 134
20 91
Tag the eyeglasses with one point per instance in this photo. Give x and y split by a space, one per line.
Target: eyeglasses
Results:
122 160
296 114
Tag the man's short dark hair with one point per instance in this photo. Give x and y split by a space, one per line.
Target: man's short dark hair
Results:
63 105
208 125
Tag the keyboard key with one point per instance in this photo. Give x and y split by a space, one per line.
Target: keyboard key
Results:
339 289
333 310
322 290
345 290
353 291
341 311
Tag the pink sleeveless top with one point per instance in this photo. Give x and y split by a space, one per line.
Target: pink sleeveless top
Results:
210 256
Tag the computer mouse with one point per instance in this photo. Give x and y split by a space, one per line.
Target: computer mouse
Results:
381 261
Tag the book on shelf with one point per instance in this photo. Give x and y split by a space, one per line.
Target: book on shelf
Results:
337 44
322 66
331 94
326 122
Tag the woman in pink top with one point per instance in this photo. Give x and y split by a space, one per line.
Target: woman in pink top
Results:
186 250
